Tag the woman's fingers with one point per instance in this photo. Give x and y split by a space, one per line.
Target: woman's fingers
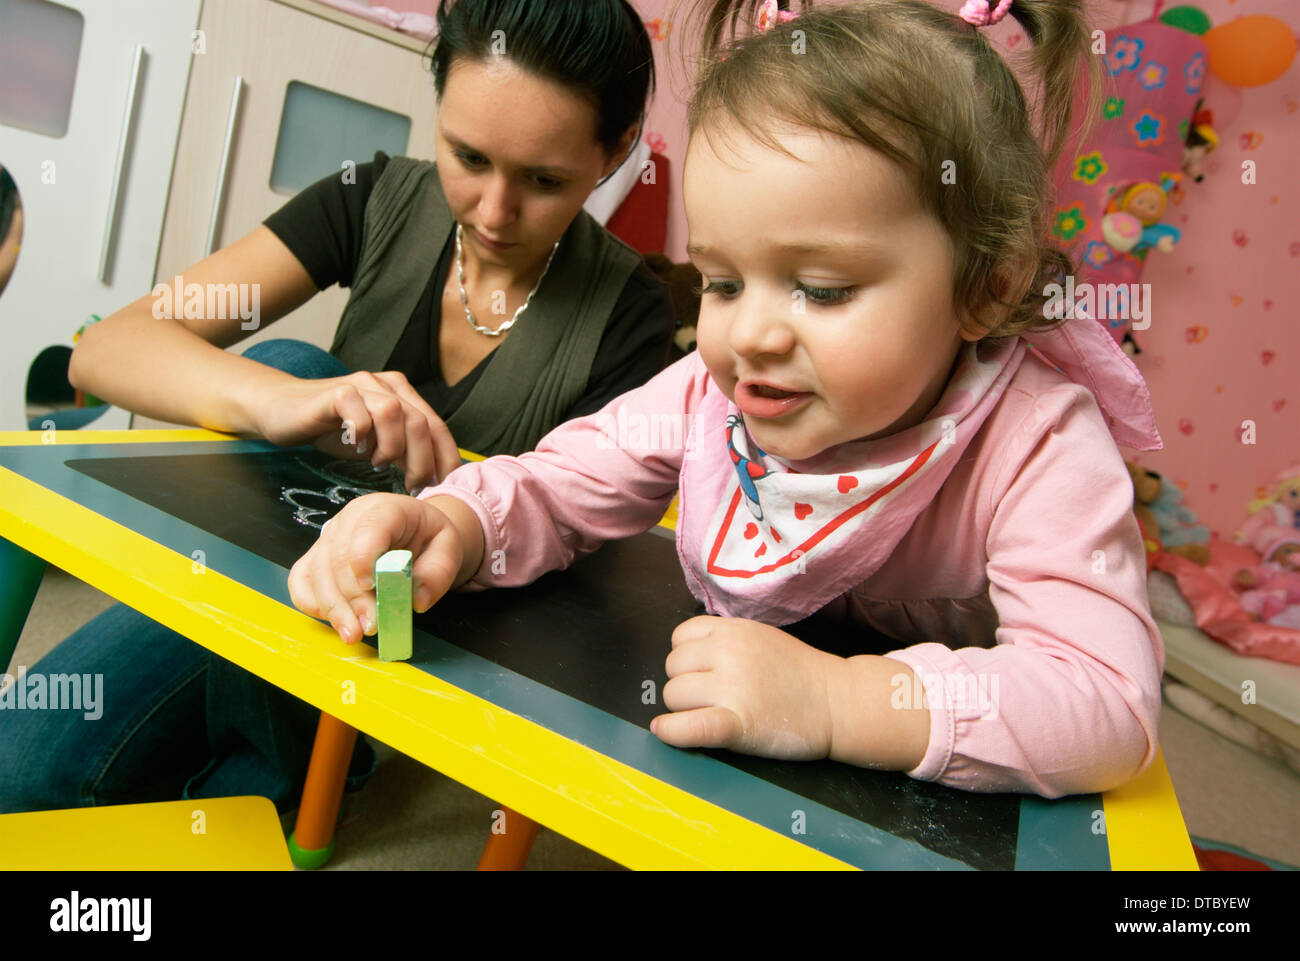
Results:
357 427
446 456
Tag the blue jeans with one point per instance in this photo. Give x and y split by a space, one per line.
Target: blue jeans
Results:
177 721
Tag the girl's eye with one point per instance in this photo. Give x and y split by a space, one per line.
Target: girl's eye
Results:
470 160
827 296
717 287
548 183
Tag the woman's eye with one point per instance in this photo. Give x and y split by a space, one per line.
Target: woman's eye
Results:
724 288
827 296
547 183
470 160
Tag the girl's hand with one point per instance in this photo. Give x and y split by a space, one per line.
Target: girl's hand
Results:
335 579
746 686
378 417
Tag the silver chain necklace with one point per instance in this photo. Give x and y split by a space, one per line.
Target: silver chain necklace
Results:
464 300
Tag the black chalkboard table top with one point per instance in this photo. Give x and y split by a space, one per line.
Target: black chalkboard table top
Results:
540 696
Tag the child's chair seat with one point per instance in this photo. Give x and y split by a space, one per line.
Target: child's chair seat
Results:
214 834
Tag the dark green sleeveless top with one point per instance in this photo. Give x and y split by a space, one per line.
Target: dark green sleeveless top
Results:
541 369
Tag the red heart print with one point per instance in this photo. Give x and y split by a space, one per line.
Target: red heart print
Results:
847 483
761 550
1268 305
1186 426
1279 403
1266 358
751 530
1213 487
1294 249
802 510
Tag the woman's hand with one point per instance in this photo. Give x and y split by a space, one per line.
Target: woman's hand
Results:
746 686
335 579
378 417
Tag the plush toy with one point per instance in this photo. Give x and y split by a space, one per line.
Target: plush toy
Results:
1148 488
683 282
1179 525
1275 518
1272 589
1132 221
1201 140
1145 490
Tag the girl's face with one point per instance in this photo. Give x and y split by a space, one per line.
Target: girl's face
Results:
517 157
827 315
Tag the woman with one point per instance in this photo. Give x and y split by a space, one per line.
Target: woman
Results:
485 307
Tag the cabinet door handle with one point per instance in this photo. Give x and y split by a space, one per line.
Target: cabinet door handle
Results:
219 201
123 157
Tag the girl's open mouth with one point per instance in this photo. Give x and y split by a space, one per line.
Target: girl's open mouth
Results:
765 400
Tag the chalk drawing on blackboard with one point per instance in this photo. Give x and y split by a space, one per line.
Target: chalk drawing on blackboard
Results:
347 480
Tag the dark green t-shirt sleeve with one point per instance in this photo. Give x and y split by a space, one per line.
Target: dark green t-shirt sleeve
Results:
322 225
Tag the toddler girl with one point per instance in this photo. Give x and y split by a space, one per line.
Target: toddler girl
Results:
864 430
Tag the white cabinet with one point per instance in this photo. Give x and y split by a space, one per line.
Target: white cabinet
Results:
284 95
91 96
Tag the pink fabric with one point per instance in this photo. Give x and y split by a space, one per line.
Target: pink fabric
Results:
1217 603
420 25
776 541
1025 575
977 12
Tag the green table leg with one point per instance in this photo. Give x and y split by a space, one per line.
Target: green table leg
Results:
20 577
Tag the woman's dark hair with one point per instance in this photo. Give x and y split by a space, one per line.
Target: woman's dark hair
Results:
597 48
8 201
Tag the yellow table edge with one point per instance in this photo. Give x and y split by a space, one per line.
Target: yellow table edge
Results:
551 779
1144 824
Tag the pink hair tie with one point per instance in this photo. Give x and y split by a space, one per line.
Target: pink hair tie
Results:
769 15
977 12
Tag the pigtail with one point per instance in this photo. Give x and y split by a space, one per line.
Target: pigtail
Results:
1061 58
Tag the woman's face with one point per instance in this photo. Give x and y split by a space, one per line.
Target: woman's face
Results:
517 157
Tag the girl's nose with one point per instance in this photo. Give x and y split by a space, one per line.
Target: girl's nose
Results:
758 326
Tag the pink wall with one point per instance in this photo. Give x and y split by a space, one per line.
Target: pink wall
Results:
1224 344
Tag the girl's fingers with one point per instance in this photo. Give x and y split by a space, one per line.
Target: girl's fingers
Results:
330 602
688 657
704 727
693 629
435 568
688 692
300 588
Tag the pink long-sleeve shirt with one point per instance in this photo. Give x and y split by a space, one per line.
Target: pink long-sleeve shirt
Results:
1020 590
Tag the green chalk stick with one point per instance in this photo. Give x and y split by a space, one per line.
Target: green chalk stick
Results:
393 592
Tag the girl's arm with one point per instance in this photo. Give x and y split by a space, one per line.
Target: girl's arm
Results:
584 484
1068 701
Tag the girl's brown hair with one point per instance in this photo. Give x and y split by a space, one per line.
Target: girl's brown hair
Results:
926 89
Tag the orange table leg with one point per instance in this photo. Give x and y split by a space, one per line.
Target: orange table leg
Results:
508 850
312 842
